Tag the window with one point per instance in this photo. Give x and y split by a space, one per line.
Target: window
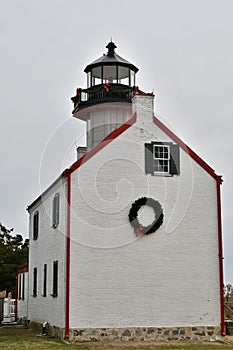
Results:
23 286
162 158
34 292
45 281
35 225
19 292
55 214
161 155
55 278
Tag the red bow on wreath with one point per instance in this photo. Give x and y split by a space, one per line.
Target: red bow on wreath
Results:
138 231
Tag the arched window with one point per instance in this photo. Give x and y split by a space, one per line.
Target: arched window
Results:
55 214
35 225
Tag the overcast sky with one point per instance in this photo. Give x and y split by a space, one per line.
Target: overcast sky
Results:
183 48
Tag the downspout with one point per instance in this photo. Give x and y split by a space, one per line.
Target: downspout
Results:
67 302
220 255
16 296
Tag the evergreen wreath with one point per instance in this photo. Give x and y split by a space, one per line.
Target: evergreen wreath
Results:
140 230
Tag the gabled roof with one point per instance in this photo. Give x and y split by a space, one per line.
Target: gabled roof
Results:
109 138
114 134
186 148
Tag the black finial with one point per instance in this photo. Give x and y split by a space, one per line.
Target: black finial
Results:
111 48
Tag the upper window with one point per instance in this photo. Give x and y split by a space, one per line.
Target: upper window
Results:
35 225
161 155
55 218
162 158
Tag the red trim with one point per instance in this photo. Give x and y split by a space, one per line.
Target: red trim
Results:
113 135
220 255
218 179
188 150
67 315
144 94
16 296
23 268
67 174
89 155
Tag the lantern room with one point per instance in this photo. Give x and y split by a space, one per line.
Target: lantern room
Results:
111 69
110 78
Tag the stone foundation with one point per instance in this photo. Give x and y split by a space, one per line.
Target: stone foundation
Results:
199 333
163 334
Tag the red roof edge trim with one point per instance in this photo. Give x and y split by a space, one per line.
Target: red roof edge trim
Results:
109 138
23 268
186 148
144 94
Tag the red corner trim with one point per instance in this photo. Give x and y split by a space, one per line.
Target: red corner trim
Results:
188 150
219 180
67 314
67 174
220 254
109 138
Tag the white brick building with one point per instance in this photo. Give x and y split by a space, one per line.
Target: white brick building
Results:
92 273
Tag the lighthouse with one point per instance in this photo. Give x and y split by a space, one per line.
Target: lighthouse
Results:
126 244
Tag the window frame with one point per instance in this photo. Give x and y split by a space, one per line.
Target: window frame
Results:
23 287
174 160
19 286
158 159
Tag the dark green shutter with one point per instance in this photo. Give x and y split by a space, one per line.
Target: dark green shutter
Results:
55 210
35 225
45 281
149 162
174 159
55 278
35 281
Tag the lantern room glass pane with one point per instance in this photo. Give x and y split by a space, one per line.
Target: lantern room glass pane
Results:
88 79
96 72
110 74
123 75
132 78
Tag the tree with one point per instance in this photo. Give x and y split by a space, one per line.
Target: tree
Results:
13 254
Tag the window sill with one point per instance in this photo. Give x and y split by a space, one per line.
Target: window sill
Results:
161 174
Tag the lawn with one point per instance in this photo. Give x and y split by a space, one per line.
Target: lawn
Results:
17 338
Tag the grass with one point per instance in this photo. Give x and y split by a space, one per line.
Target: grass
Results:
18 338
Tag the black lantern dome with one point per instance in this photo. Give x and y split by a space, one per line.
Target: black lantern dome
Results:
110 78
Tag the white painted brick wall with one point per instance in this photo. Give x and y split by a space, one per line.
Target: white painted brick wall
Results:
168 278
49 247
